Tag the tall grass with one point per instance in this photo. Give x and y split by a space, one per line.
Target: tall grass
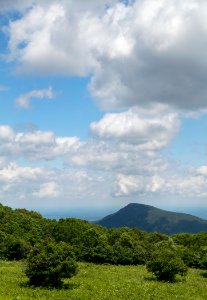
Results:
103 282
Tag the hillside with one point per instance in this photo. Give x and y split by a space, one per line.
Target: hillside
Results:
21 230
150 219
95 282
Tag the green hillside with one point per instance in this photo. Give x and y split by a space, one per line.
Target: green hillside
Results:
103 282
112 262
21 230
150 219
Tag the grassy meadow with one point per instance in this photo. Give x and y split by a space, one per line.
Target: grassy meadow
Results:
103 282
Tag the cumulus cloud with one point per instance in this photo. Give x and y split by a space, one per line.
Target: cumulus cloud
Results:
129 185
154 126
162 183
166 62
24 101
77 5
123 141
35 145
63 37
98 169
144 52
93 155
6 5
146 63
49 189
202 170
14 173
6 133
41 186
118 141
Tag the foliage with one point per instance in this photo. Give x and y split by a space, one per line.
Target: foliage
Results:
193 248
15 248
49 263
165 265
20 230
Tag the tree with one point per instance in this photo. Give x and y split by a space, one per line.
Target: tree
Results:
15 248
165 264
49 263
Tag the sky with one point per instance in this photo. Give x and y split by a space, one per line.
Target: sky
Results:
103 103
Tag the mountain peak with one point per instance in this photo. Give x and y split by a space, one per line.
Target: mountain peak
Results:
149 218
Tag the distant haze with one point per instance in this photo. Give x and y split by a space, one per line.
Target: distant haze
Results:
94 214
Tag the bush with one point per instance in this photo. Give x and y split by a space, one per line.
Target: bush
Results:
192 258
49 263
16 249
165 265
204 262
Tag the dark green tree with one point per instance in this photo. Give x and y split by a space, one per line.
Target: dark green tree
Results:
49 263
165 264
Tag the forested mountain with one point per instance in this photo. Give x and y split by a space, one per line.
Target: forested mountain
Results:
150 219
22 230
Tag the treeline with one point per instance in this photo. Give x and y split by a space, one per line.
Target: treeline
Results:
21 230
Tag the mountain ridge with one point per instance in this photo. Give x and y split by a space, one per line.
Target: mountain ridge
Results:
150 218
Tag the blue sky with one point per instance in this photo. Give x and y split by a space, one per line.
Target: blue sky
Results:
189 146
103 103
70 111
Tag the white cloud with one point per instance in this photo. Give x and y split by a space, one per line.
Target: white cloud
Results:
17 5
153 127
35 145
49 189
24 101
14 173
52 42
43 187
145 52
6 134
147 58
44 145
77 5
97 169
202 170
99 156
66 37
129 185
166 63
94 153
162 183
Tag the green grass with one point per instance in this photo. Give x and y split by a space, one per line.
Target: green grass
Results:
103 282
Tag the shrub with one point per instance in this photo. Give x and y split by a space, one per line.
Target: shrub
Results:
204 262
12 247
16 249
165 265
49 263
192 258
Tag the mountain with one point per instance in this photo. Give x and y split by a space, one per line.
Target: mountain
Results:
150 219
